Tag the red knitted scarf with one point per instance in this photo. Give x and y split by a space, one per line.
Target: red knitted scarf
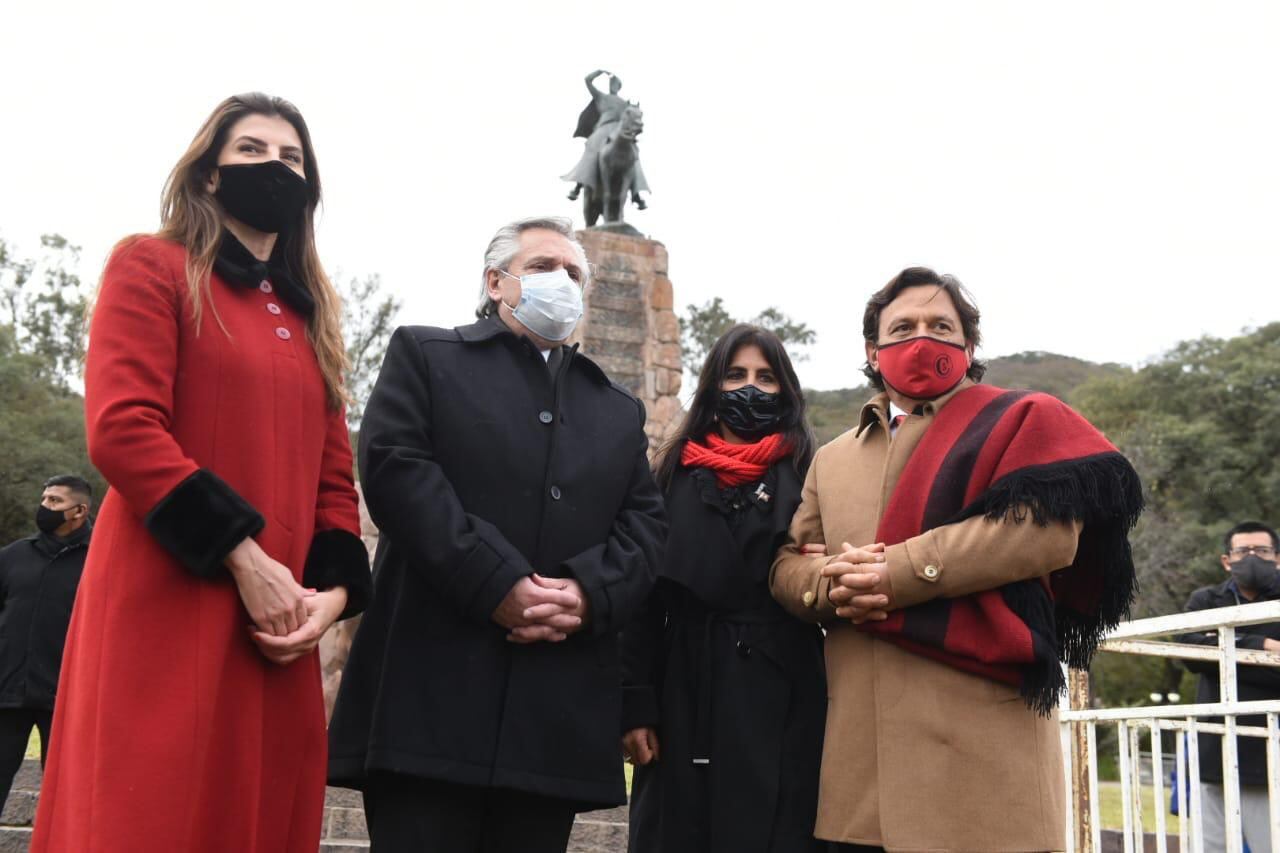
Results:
735 464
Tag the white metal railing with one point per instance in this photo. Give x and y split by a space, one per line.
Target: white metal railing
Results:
1080 735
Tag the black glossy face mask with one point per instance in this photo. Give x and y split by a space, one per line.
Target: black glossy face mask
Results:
750 413
1256 574
267 196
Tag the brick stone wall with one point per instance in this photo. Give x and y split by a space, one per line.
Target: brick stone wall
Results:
629 326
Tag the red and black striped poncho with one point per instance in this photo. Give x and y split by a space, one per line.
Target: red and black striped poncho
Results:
1027 457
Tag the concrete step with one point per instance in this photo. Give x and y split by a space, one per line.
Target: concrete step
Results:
603 831
19 809
344 829
592 835
343 798
342 824
15 839
28 776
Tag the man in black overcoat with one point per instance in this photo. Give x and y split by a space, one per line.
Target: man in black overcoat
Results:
520 529
39 576
1249 559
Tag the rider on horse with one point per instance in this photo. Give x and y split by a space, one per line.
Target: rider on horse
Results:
597 123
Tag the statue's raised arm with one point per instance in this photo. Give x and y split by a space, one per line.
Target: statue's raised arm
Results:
591 83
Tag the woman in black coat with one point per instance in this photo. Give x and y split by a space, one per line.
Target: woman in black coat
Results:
724 693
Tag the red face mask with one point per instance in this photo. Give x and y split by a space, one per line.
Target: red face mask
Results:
923 368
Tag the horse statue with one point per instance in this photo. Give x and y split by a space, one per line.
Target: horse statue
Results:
610 166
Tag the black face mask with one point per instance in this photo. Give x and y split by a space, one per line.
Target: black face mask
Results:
267 196
1256 574
750 413
49 520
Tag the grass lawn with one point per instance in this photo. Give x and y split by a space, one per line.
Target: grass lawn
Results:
1113 816
33 745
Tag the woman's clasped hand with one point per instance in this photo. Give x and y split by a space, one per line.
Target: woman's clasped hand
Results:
288 619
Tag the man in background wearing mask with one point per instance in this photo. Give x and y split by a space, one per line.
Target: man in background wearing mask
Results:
38 580
1249 559
947 513
521 528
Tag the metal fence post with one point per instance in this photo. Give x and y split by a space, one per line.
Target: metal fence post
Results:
1229 695
1081 793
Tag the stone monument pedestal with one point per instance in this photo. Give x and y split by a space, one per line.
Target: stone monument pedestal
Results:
629 325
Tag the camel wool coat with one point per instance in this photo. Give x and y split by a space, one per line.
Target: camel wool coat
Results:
919 756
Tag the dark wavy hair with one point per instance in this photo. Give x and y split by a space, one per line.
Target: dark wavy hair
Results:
701 417
920 277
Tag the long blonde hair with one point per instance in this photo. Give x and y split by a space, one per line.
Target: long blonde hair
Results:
190 215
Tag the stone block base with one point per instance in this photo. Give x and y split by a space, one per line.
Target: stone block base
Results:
629 326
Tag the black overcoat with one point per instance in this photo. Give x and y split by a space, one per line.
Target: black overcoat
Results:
1253 683
481 463
734 685
39 576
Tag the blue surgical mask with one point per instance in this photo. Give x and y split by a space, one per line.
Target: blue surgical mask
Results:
550 304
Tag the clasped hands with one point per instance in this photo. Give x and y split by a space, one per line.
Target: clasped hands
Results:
860 587
539 609
288 618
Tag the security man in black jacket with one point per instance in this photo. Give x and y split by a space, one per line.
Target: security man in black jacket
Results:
38 580
520 530
1250 559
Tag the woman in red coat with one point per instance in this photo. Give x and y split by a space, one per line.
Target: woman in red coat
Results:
190 715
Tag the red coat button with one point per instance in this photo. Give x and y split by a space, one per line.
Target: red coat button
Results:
283 334
273 308
265 286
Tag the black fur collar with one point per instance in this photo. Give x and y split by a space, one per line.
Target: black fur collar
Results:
238 266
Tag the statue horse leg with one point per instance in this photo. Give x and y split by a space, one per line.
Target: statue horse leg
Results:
590 207
605 188
617 174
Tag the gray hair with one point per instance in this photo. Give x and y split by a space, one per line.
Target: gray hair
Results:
505 245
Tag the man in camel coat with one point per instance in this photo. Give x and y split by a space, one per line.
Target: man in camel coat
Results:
922 754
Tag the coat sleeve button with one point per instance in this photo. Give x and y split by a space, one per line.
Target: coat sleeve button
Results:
744 649
545 416
808 598
931 572
555 493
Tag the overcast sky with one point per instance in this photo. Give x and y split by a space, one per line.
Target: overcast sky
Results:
1104 176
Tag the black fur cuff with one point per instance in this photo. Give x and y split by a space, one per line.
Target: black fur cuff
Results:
202 521
339 558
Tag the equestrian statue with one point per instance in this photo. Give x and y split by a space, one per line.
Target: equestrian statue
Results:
610 166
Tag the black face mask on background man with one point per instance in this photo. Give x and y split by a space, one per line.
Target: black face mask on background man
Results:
267 196
1256 574
750 413
49 520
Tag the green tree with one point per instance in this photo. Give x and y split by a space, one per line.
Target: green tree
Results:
45 306
1200 426
42 313
368 319
703 325
42 433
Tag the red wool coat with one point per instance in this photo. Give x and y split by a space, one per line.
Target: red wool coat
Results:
174 733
